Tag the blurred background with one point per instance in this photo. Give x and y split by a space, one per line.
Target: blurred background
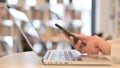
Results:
89 17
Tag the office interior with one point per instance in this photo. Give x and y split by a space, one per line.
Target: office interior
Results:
88 17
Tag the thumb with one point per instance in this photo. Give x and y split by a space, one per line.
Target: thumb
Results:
82 37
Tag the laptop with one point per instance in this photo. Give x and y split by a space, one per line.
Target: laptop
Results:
54 57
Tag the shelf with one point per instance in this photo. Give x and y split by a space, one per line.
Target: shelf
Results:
71 20
57 38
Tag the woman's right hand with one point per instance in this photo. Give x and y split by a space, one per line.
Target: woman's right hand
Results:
94 44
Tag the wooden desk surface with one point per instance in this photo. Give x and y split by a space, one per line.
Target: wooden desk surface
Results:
31 60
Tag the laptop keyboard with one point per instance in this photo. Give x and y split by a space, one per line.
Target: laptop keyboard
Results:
65 56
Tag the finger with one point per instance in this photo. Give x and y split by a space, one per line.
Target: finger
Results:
72 40
83 49
92 48
78 44
82 37
93 52
79 48
66 35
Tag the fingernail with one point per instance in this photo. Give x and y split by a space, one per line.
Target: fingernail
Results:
70 37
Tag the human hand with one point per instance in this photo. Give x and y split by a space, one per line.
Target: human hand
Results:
94 44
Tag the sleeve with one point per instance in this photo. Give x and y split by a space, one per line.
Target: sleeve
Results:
115 49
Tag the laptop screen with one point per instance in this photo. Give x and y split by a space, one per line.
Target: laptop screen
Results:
28 31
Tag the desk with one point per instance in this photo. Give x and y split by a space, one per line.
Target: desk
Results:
31 60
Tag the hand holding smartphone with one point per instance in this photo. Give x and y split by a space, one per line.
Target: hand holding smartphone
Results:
69 34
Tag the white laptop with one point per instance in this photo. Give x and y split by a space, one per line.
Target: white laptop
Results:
55 57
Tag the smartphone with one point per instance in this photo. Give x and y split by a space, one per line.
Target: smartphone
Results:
69 34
